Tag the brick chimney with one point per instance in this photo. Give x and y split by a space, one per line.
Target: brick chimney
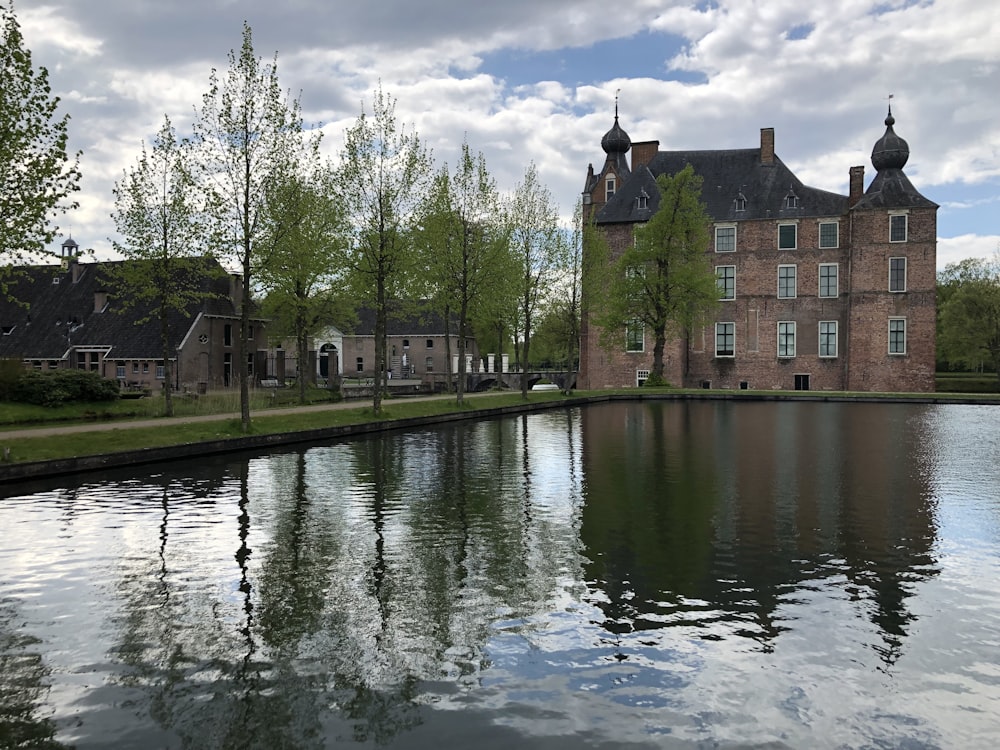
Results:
857 185
643 153
767 145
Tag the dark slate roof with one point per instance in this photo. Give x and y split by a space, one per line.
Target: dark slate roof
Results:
50 313
409 319
727 174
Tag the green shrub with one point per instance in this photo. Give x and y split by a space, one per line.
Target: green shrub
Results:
11 371
57 387
656 381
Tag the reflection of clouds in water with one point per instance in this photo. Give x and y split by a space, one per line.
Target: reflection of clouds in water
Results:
400 581
961 451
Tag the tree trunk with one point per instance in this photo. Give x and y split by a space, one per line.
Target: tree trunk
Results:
460 383
302 345
525 347
447 348
380 346
244 369
658 346
168 400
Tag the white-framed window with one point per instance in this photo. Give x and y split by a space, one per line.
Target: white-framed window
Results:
429 364
897 227
829 279
786 281
725 339
642 200
828 338
786 338
829 235
161 371
641 376
634 336
788 236
120 370
725 238
897 335
740 204
725 278
145 368
897 274
610 184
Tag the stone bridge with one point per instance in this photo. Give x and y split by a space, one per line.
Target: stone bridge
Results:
485 381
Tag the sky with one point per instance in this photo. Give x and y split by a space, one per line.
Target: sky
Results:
536 80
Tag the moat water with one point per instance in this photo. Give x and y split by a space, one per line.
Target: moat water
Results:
627 575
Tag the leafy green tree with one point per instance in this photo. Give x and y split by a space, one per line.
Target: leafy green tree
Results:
969 313
662 284
37 176
384 176
463 245
248 135
302 280
537 245
163 226
564 311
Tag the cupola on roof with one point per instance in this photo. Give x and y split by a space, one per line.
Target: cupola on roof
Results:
890 151
616 140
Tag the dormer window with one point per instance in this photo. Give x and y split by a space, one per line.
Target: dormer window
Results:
642 202
609 187
791 200
741 202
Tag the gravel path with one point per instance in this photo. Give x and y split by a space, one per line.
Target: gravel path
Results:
125 424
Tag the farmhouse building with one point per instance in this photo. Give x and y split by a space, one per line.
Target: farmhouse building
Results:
817 290
68 315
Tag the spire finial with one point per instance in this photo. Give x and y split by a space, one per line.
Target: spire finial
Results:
890 120
617 92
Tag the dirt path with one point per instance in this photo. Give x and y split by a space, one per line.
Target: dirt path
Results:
126 424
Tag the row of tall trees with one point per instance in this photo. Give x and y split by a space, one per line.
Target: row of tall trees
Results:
249 186
311 236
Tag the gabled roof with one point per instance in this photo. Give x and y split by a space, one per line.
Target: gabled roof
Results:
409 319
52 312
727 175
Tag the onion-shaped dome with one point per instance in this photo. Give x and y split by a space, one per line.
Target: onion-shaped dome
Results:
891 151
616 140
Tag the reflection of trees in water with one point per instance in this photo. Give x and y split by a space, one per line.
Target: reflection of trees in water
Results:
364 572
23 687
718 518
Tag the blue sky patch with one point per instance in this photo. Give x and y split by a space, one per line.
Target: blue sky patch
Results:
644 55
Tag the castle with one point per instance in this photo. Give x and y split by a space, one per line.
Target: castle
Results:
817 290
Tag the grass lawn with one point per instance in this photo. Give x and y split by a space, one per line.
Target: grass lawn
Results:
175 432
171 432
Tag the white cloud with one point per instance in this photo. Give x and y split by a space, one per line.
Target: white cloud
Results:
122 64
953 249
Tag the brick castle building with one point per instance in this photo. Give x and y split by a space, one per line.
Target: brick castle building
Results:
818 291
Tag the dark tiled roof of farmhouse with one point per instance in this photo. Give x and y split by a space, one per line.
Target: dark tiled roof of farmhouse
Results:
410 319
727 175
50 312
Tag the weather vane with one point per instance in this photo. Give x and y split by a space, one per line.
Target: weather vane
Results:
617 92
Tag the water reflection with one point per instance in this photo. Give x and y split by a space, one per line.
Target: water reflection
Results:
623 575
719 519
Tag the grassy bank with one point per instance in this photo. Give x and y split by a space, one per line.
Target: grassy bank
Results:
124 437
